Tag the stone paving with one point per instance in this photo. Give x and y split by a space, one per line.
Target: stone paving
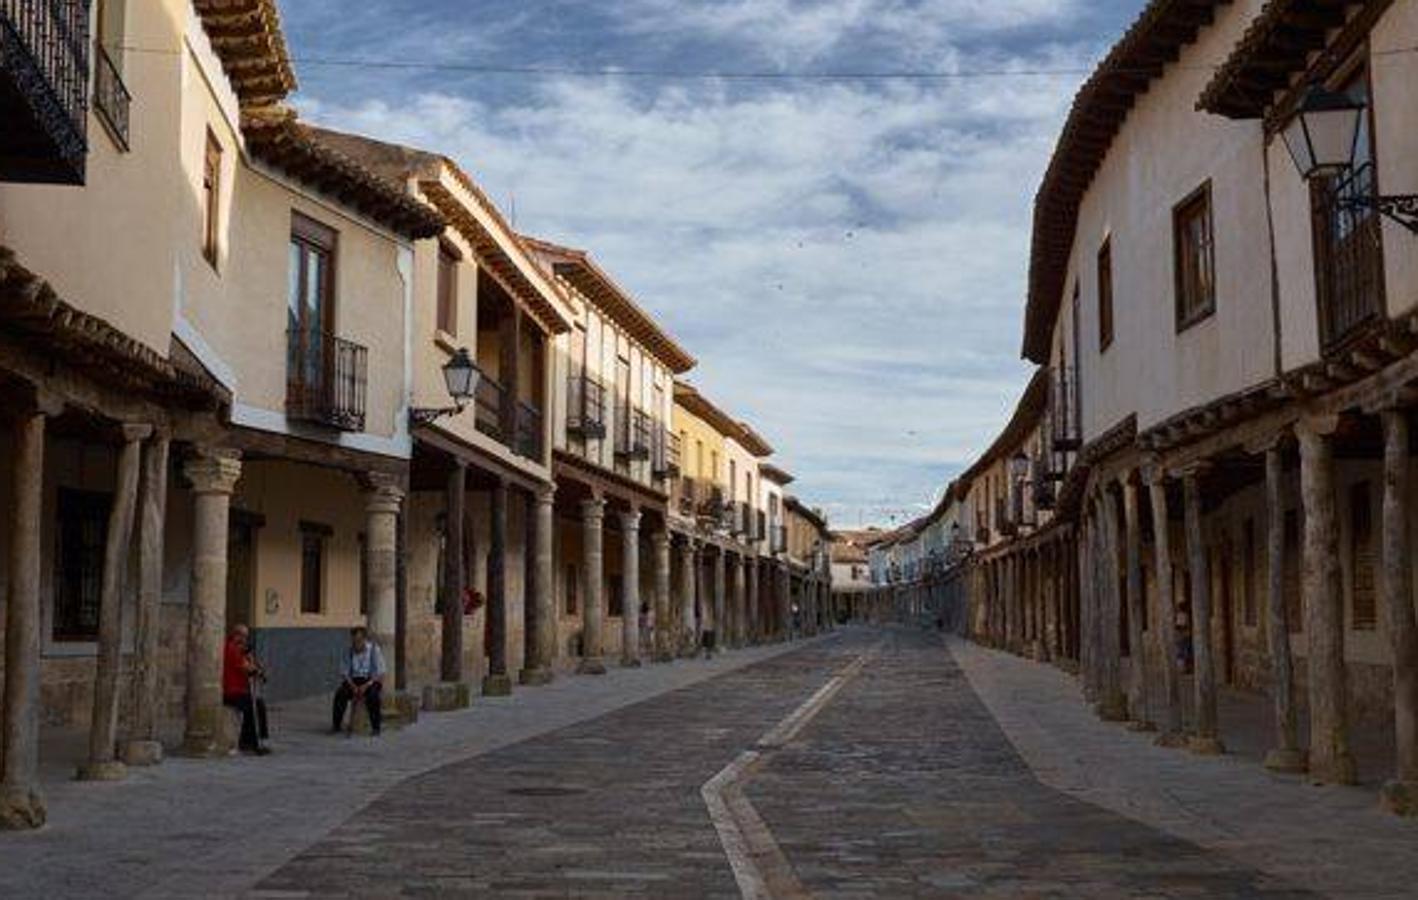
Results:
213 828
940 771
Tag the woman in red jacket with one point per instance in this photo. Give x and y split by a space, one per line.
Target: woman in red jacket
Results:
239 670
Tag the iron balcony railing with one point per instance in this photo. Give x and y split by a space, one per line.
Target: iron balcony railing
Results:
667 454
740 520
711 502
1063 409
1349 259
529 430
688 496
585 408
111 97
326 379
634 434
487 408
44 88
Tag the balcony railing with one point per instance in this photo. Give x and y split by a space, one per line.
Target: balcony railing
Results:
487 408
529 431
326 380
44 87
1349 259
667 454
1003 524
585 408
634 434
711 502
1063 410
738 519
111 97
760 525
688 496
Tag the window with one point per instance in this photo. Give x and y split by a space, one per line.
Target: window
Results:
1361 557
1105 295
1348 237
733 479
211 198
112 20
1194 263
448 259
312 566
82 530
310 299
569 576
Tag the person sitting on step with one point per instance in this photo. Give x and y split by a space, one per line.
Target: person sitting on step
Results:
241 673
361 679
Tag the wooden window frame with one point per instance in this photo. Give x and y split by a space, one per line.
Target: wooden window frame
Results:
1106 321
1187 316
446 302
212 158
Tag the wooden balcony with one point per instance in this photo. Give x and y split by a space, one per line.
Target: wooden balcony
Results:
44 88
326 380
585 408
529 431
487 409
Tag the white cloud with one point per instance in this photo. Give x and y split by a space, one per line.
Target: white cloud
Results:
846 260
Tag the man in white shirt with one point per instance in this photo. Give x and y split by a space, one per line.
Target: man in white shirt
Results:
361 679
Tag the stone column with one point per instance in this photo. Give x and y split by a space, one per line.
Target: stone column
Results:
103 763
660 544
1205 740
497 682
740 598
1330 759
454 571
630 589
1400 794
21 803
720 622
213 474
592 534
383 497
755 621
539 605
1136 600
1112 704
1165 614
1286 756
689 586
143 747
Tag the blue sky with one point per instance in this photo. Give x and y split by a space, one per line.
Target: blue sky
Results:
846 258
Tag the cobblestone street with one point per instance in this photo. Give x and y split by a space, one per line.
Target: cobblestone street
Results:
871 763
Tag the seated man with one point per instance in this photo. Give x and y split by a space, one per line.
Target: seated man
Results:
361 679
240 671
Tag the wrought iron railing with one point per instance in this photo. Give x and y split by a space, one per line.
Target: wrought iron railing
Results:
529 430
711 502
585 408
44 67
1063 409
111 97
634 434
487 408
667 454
688 489
1349 259
326 379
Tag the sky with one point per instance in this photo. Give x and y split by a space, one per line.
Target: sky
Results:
846 257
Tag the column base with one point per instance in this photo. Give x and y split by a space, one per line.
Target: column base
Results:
401 708
446 696
630 662
591 665
1112 709
1205 746
536 677
103 770
1340 770
142 753
1399 798
497 686
1291 761
21 809
1173 739
1140 725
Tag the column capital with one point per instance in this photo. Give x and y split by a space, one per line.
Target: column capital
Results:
135 431
382 493
545 494
660 537
630 519
213 471
1194 470
593 508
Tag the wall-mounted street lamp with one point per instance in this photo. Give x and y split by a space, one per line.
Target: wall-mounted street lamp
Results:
461 377
1322 139
1019 466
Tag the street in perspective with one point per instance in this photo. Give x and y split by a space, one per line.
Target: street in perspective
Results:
708 448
